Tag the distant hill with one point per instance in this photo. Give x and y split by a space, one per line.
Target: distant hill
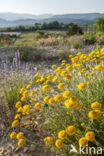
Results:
12 19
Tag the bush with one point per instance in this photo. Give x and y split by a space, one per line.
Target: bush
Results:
74 29
77 44
89 38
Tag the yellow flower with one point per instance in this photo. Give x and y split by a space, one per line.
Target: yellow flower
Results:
62 135
26 107
59 143
46 88
69 105
89 83
82 124
64 61
58 97
48 140
28 86
79 105
96 105
90 136
23 99
25 93
61 85
18 104
17 116
22 90
68 112
46 99
55 79
15 123
20 135
68 77
12 135
94 114
41 111
54 66
37 74
21 142
67 94
81 86
71 130
37 105
83 142
73 100
52 101
20 109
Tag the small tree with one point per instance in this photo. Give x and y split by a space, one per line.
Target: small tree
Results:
74 29
99 25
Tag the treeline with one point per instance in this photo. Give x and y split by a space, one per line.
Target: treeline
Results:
55 25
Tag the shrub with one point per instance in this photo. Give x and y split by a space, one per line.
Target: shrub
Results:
89 38
74 29
77 44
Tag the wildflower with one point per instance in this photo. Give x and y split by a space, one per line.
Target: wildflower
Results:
67 94
46 87
71 130
96 105
73 100
20 109
28 86
82 124
54 66
68 112
81 86
25 93
90 136
68 77
79 105
15 123
94 114
37 105
58 97
62 135
23 99
51 101
37 74
22 90
20 135
17 116
18 104
12 135
69 105
61 85
21 142
83 142
48 140
46 99
55 79
59 143
41 111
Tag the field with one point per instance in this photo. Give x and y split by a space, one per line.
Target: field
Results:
51 94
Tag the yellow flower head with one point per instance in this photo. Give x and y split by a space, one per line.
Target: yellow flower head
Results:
58 98
46 88
18 104
71 130
61 85
90 136
12 135
94 114
48 140
62 135
96 105
52 101
59 143
81 86
15 123
20 135
67 94
38 105
46 99
21 142
83 142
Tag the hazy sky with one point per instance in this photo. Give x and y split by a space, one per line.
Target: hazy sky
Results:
51 6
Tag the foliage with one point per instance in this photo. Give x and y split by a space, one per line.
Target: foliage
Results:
99 25
74 29
89 38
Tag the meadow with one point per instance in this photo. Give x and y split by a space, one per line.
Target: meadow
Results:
51 94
